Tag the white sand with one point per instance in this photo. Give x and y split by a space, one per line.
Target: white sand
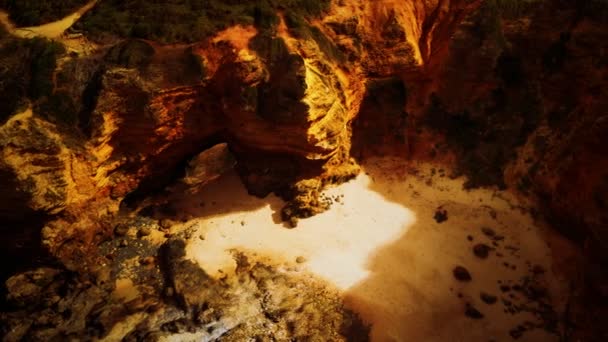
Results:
385 251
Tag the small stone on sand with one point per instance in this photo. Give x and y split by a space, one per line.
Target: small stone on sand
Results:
481 250
461 274
488 298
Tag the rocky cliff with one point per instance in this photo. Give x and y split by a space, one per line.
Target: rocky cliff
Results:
511 94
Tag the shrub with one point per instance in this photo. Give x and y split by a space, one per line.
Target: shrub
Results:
171 21
44 54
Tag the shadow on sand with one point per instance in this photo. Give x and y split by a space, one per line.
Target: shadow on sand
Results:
411 293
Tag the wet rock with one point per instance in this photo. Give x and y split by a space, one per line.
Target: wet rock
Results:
461 274
481 250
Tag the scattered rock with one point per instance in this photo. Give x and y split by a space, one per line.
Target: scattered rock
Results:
242 223
166 223
201 237
121 230
469 237
472 312
292 222
481 250
147 260
488 298
538 269
441 215
461 274
144 231
300 259
489 232
516 333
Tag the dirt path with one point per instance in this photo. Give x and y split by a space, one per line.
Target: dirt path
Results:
382 246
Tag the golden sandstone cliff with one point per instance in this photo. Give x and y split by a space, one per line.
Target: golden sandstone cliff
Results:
511 97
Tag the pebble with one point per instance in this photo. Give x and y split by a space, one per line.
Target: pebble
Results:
488 231
481 250
538 269
121 230
461 274
145 231
473 313
441 215
147 260
165 223
488 298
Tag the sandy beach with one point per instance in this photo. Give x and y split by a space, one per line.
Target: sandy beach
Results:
381 245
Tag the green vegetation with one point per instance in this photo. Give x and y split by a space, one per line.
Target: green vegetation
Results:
171 21
26 72
43 61
37 12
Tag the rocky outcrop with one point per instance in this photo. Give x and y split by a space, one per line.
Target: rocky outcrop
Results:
183 303
490 88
